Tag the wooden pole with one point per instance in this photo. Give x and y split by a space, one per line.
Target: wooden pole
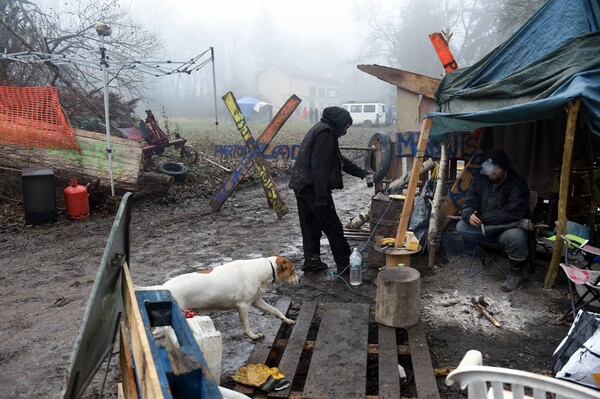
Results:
561 224
437 202
593 206
412 183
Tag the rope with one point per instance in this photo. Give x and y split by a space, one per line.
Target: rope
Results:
334 276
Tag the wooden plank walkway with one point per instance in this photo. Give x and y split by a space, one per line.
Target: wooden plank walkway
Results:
340 361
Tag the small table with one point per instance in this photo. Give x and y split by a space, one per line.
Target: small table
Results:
393 256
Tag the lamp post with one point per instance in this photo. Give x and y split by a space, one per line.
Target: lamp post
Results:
103 30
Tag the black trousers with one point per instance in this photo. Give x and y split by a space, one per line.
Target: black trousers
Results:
316 220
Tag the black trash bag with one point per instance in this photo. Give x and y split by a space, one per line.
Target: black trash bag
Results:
419 220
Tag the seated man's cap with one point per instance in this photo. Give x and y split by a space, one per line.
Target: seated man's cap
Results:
499 158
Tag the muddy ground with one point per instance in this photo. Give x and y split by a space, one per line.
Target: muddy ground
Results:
48 272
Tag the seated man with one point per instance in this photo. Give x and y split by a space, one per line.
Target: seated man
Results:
496 210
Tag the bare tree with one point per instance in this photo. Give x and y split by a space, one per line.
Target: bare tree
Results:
476 32
400 36
68 34
516 12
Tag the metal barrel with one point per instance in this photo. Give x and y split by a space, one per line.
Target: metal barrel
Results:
384 221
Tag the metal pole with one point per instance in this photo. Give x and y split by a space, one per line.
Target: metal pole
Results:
104 64
212 55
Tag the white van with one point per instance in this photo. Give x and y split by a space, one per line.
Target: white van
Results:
366 114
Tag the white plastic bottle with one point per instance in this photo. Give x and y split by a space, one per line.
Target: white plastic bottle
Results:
355 267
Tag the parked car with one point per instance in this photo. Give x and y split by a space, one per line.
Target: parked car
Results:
367 114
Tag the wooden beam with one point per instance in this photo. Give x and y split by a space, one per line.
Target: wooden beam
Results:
563 192
128 385
421 362
412 183
142 355
410 81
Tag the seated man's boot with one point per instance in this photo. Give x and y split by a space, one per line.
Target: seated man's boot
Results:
313 263
515 276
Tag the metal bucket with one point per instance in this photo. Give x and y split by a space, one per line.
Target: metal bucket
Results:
385 215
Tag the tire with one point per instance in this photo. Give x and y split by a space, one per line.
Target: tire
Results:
367 123
177 170
385 146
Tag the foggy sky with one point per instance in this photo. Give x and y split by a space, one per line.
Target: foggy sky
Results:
322 36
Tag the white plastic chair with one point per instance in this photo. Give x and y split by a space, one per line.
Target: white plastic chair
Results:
485 382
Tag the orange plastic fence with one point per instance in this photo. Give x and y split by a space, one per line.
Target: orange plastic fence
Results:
32 117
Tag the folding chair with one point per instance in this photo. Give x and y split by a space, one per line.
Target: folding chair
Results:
503 383
588 280
487 259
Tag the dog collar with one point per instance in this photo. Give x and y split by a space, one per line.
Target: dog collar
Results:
272 270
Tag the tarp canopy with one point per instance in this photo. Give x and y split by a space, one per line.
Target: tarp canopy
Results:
553 58
255 110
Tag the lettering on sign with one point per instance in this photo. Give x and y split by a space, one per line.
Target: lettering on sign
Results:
279 152
460 146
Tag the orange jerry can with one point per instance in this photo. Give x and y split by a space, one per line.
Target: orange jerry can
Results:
76 201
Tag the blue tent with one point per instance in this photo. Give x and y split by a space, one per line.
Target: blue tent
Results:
553 58
255 110
247 105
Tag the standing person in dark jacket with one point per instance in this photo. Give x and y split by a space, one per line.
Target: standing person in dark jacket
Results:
496 210
317 171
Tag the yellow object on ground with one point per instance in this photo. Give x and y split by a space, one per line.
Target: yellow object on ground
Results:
256 374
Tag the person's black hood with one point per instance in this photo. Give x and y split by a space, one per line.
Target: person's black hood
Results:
338 118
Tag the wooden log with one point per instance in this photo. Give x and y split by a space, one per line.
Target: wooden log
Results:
398 298
363 217
156 179
561 224
437 202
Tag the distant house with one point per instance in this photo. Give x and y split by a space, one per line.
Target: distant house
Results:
277 84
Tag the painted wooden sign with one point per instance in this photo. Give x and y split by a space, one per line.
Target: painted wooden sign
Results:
455 198
460 146
254 156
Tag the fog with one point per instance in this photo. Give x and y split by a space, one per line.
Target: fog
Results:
320 41
321 38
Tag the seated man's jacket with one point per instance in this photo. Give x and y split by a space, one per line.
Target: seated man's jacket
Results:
505 202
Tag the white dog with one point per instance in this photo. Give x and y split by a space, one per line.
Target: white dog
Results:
233 285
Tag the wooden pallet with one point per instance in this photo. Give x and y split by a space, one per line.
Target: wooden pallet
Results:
328 353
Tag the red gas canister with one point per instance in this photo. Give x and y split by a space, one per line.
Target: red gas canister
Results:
76 200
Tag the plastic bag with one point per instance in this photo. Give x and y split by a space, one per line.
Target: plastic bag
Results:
419 220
